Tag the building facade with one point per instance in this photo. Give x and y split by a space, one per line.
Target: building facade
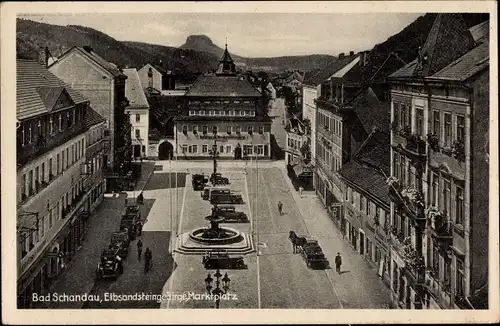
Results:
103 83
51 201
440 233
223 110
138 111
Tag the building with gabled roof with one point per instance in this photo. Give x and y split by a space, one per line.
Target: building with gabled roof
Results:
222 110
52 199
103 83
439 175
138 111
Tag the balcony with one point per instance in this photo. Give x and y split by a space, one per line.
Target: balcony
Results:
44 144
440 227
415 145
409 199
440 291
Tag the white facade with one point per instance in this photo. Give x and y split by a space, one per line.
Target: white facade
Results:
310 93
155 80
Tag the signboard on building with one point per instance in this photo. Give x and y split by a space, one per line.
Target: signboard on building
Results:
222 137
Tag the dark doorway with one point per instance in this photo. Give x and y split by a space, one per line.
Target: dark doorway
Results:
137 150
237 152
166 151
361 243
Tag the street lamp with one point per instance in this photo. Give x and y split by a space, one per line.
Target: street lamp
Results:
214 153
217 291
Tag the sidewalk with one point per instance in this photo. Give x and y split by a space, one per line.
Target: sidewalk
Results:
361 280
147 170
79 277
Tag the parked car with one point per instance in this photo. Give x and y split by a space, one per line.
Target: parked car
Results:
121 242
208 192
221 259
218 179
229 213
199 181
110 265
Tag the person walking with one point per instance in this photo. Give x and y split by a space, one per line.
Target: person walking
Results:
338 262
280 207
148 256
139 249
301 189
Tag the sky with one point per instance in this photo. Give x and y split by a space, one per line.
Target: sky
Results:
248 34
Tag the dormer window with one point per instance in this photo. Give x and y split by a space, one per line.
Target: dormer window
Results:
250 130
60 122
51 125
29 133
184 129
23 140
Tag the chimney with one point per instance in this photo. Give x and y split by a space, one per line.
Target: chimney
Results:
351 53
341 55
87 48
150 77
365 57
43 56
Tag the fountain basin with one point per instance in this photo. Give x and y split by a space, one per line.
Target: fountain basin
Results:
230 236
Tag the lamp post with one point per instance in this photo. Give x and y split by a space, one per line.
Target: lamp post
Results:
217 291
214 153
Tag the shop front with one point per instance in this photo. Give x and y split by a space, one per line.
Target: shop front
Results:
353 226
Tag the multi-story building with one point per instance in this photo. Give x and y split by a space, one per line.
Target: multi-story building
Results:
51 201
439 172
226 111
138 110
157 77
103 83
366 201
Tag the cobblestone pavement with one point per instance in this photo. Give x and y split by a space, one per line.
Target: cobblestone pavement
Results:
79 278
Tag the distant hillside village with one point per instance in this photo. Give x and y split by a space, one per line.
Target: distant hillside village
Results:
385 137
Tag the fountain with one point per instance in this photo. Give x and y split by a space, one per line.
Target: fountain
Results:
214 238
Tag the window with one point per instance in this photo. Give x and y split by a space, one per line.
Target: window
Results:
184 129
67 157
195 130
459 205
212 112
236 102
238 129
229 130
435 261
420 122
447 274
50 169
347 194
402 170
248 113
460 278
396 165
202 112
214 130
62 161
447 197
205 130
250 129
221 149
260 149
137 118
361 203
143 149
232 112
30 182
194 149
184 149
249 149
447 129
435 190
436 126
29 133
396 114
229 149
60 121
204 149
368 208
261 129
51 125
403 116
138 133
460 128
352 196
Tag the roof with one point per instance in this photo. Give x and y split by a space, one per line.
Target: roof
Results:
89 53
223 118
37 89
92 118
345 69
370 111
316 77
467 65
226 57
225 86
448 39
480 31
134 91
364 169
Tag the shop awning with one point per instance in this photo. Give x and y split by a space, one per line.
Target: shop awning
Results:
303 170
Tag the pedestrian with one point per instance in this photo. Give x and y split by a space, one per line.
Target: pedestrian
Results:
148 256
301 189
338 262
139 249
280 207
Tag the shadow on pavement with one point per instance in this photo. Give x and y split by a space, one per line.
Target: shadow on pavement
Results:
146 208
134 280
162 181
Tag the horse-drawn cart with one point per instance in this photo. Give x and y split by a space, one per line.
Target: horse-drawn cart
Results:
310 250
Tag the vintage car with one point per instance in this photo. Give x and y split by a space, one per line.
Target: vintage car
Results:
225 198
218 179
208 192
221 259
121 242
110 265
199 181
229 213
132 224
132 209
